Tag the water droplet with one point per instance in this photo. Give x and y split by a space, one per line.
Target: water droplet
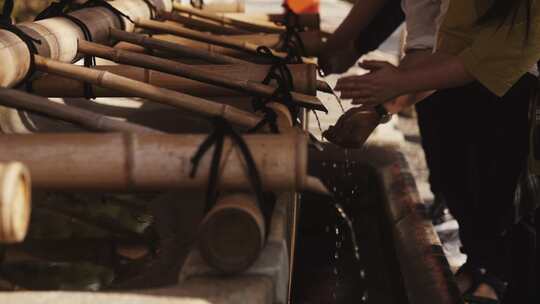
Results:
336 255
335 271
365 296
334 165
362 274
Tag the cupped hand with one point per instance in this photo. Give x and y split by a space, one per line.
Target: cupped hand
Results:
353 128
383 83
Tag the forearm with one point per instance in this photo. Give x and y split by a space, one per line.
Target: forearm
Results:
358 19
425 73
437 71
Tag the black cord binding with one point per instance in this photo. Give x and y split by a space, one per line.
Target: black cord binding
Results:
223 129
290 41
279 72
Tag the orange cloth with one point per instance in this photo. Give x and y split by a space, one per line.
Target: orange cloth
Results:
303 6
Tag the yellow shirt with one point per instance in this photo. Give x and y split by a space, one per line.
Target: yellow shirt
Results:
496 56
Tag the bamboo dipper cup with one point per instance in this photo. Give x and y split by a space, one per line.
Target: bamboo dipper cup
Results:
15 202
233 233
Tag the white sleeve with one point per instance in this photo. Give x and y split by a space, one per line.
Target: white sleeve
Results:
421 22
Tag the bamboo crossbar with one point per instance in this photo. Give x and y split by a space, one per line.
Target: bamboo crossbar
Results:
108 80
224 20
88 119
191 72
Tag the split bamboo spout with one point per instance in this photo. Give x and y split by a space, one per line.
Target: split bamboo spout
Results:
108 80
121 162
191 72
15 202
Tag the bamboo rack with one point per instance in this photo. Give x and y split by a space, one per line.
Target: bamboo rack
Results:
108 80
15 202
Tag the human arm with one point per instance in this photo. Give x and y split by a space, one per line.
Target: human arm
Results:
385 82
341 50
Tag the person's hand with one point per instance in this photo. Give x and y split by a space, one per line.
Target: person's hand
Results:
353 128
383 83
334 60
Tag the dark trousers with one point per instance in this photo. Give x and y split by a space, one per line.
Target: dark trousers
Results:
429 125
477 151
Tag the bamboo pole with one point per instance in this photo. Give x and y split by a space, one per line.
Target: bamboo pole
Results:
222 6
153 115
108 80
28 102
56 86
312 42
59 36
305 21
224 41
233 233
224 20
15 202
202 24
130 161
192 72
177 49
